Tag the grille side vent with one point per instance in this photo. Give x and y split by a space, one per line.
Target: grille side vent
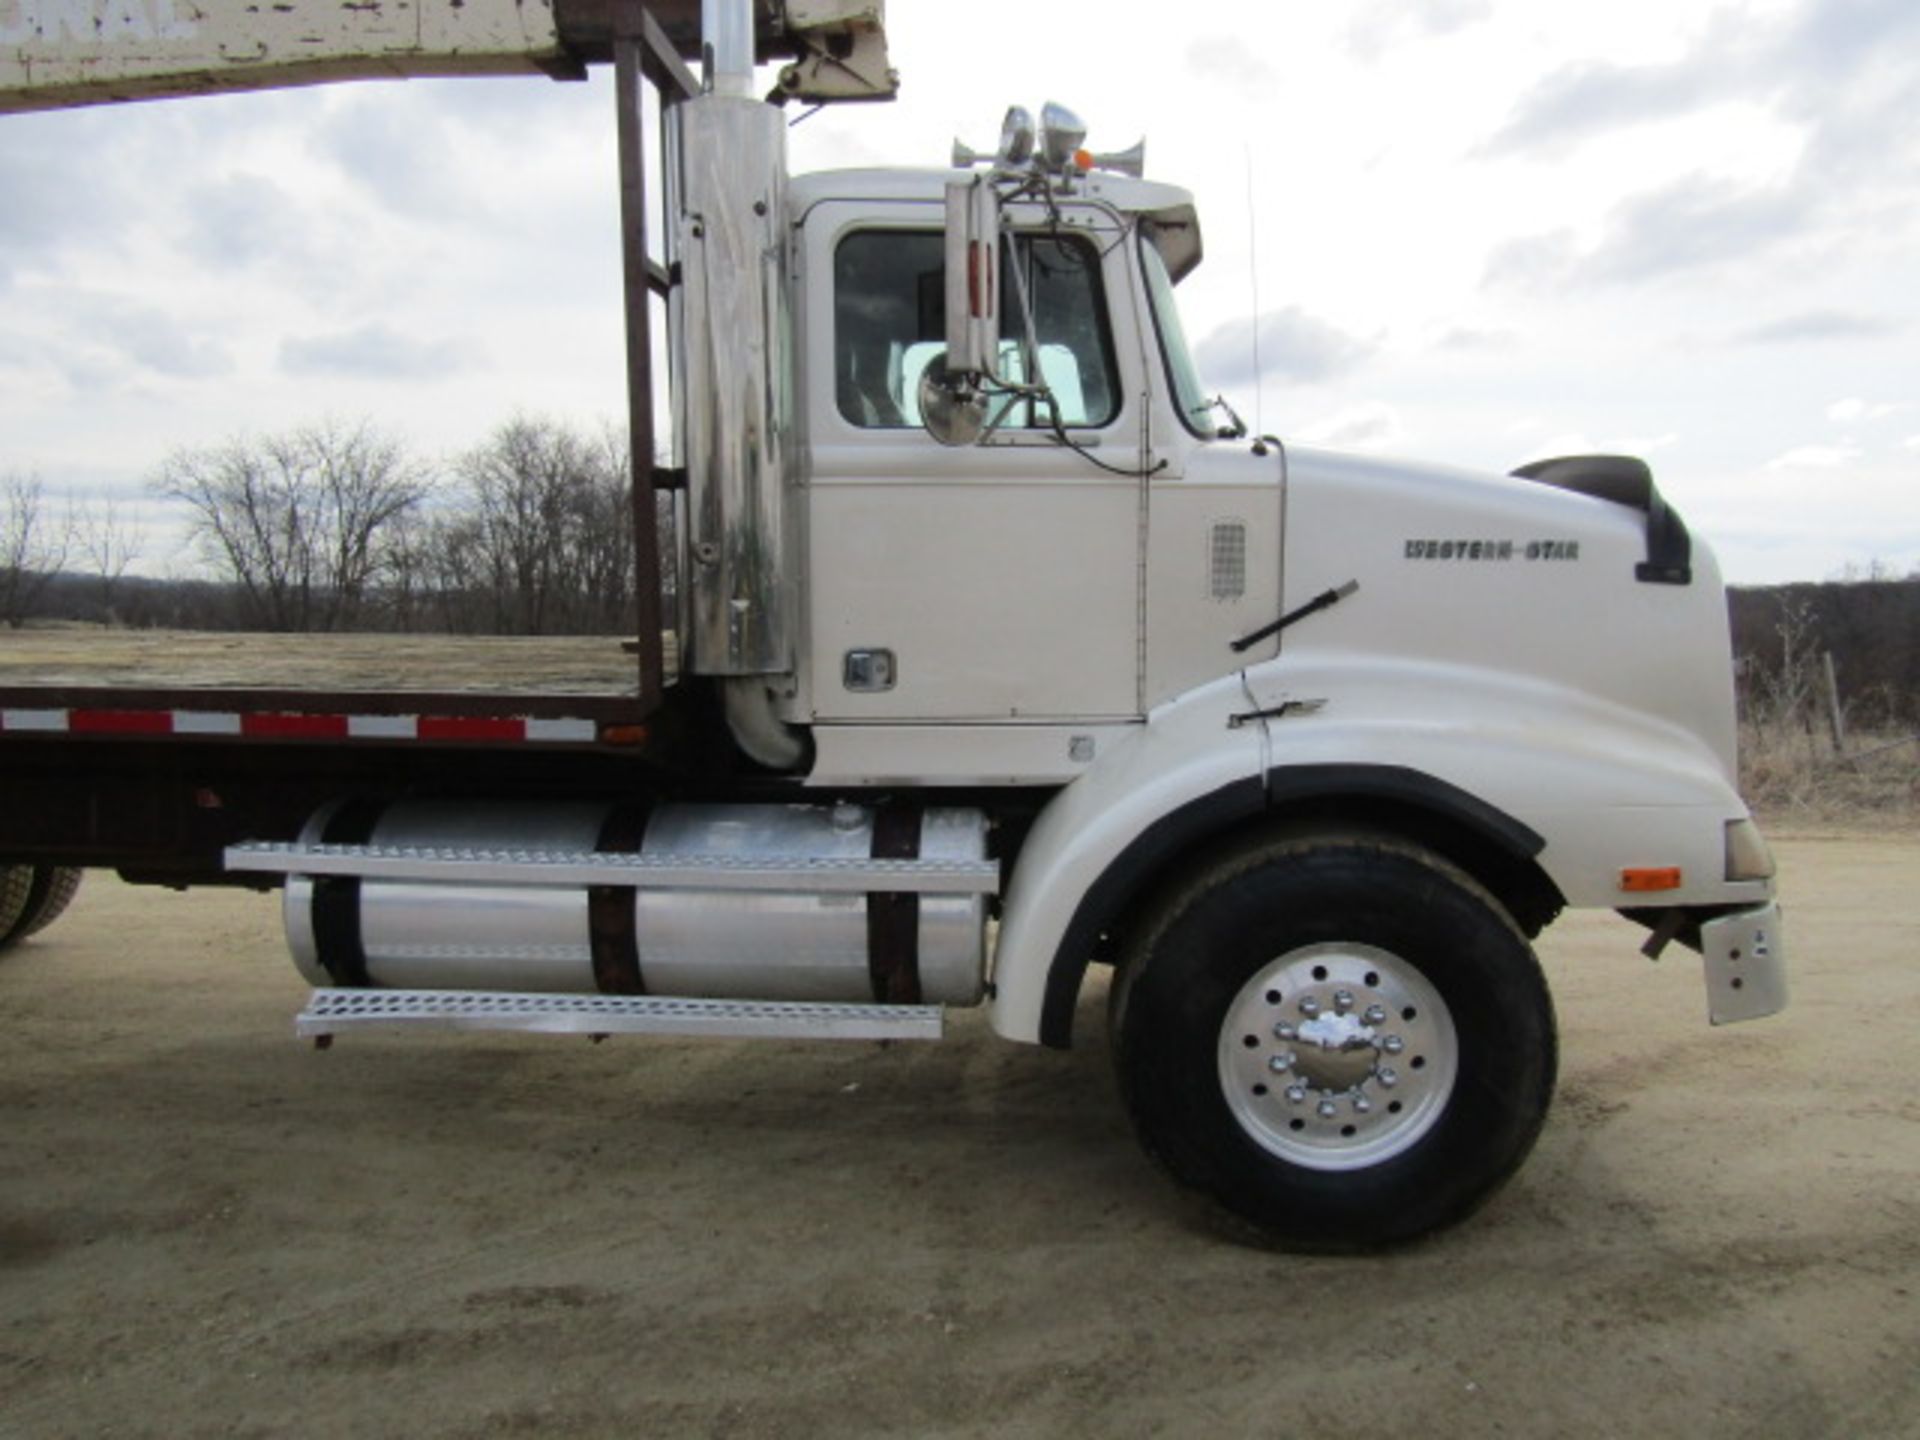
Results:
1227 560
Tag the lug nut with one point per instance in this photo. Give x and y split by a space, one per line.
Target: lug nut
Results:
1376 1014
1309 1006
1283 1031
1328 1109
1389 1077
1296 1094
1393 1044
1362 1105
1343 1001
1280 1064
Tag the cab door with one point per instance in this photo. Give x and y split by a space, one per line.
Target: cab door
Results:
992 582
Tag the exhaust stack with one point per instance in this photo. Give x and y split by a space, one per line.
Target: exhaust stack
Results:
726 47
735 321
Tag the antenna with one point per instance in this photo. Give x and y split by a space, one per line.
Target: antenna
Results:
1253 287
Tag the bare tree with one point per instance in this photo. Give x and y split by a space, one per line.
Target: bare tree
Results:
111 541
33 547
543 537
601 539
296 521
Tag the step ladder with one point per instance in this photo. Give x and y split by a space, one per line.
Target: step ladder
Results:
456 866
333 1012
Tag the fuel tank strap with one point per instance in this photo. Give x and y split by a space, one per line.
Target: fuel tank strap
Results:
336 899
893 917
613 933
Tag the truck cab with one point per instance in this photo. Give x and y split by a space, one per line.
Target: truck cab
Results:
1000 657
1085 570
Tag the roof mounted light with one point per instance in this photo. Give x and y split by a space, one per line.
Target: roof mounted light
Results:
1062 133
1016 138
1059 151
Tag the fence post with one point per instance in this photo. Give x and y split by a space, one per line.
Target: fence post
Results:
1834 718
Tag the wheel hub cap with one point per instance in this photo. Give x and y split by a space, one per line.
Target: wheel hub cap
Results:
1338 1056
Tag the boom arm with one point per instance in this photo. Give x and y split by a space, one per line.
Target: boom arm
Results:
57 53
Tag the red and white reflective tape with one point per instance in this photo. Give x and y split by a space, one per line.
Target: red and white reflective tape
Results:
296 725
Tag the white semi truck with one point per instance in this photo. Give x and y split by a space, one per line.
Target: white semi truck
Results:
1000 657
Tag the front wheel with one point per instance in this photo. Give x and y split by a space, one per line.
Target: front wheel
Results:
1345 1042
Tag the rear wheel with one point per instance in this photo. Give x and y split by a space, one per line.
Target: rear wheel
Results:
1344 1042
16 887
44 893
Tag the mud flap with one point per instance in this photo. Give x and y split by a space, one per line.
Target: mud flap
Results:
1746 965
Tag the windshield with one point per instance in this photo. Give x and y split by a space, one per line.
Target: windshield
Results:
1189 396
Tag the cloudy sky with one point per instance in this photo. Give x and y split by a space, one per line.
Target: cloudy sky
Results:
1472 231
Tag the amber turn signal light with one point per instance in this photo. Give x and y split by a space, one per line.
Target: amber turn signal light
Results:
1639 881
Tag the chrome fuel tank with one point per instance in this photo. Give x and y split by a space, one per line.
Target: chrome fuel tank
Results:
734 943
798 945
422 936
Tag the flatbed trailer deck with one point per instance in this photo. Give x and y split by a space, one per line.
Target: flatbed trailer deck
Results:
119 662
151 751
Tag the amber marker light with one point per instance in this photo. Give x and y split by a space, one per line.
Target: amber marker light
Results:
1083 160
1642 880
623 734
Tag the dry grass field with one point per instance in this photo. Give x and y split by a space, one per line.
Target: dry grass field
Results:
1799 777
207 1229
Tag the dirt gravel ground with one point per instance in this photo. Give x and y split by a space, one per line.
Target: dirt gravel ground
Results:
207 1228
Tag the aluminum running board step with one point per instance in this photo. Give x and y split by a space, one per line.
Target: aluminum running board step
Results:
588 867
332 1012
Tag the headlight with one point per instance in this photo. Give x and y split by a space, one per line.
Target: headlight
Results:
1748 857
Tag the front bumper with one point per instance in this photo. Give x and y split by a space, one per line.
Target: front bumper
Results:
1745 957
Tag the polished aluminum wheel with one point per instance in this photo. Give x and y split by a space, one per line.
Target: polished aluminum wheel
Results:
1338 1056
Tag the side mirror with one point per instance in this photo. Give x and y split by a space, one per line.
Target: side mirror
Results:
973 276
953 407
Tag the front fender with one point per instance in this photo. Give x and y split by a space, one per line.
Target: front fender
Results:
1608 787
1166 785
1550 776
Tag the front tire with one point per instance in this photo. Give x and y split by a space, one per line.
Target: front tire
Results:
1345 1042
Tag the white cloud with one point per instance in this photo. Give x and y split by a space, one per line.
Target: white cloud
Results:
1695 222
1575 442
1836 82
376 352
1533 262
1292 345
1853 410
1371 425
1816 457
1216 59
1555 446
1469 339
1821 325
1385 24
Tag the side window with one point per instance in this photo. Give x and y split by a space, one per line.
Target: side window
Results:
890 324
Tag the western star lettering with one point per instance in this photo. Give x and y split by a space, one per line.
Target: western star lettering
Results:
1493 550
52 22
